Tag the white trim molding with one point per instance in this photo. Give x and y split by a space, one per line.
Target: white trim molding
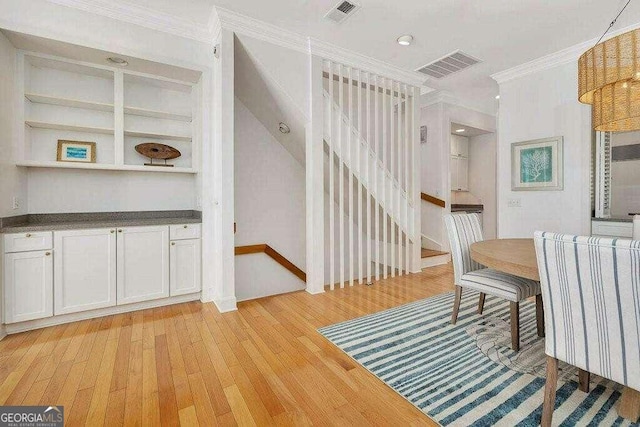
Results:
348 57
555 59
261 30
139 15
446 97
226 304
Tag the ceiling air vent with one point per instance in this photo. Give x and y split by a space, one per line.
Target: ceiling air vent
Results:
452 63
342 11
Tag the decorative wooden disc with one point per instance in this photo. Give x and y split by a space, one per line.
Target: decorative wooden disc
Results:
154 150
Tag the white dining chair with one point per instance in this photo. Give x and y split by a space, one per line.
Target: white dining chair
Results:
636 227
463 230
591 294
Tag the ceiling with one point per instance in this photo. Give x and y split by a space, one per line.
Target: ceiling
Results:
469 131
501 33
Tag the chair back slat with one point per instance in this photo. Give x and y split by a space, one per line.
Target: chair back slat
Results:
591 294
463 230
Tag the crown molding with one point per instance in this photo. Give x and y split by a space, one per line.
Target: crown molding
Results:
255 28
260 30
445 97
142 16
348 57
555 59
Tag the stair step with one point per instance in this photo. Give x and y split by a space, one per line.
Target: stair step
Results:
427 253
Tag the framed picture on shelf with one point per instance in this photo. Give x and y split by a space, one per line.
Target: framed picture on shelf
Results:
537 165
76 151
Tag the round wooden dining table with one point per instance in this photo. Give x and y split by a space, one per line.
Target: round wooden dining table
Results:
518 257
513 256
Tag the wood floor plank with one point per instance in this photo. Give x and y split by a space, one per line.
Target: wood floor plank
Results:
166 389
189 364
133 404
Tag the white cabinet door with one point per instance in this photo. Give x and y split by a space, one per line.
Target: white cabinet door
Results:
459 146
28 280
85 270
453 167
463 147
463 174
143 263
184 267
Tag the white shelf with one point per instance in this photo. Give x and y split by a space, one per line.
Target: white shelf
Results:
74 128
104 166
135 111
156 136
67 102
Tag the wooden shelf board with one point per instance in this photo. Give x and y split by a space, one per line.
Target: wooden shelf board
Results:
103 166
135 111
156 136
67 102
74 128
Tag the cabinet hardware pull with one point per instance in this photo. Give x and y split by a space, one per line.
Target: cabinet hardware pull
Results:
47 253
173 243
120 231
28 234
185 226
112 231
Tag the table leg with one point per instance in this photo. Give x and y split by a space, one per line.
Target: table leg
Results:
629 406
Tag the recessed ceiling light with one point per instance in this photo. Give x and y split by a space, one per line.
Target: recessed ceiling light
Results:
405 40
118 61
284 128
497 96
460 130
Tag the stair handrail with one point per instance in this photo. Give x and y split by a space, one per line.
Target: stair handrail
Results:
275 255
365 142
433 200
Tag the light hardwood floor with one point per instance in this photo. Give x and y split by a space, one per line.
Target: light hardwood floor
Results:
188 364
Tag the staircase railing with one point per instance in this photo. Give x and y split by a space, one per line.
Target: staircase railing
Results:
433 200
369 129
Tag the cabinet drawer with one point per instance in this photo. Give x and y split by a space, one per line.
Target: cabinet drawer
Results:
184 231
22 242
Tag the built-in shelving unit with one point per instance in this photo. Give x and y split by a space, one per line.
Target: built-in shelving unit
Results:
115 108
66 102
73 128
99 166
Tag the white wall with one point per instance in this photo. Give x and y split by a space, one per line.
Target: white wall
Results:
269 208
539 105
62 191
482 178
13 180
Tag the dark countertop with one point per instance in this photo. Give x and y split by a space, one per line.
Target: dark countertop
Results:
462 207
76 221
628 219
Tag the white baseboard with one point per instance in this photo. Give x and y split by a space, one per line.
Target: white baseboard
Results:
15 328
3 332
225 304
315 291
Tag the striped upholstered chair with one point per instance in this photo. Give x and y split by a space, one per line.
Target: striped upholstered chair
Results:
591 292
463 230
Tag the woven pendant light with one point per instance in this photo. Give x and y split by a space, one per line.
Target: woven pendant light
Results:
609 80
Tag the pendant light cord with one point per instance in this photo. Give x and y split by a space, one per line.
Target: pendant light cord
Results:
613 22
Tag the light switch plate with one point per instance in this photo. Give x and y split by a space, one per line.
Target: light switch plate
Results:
514 203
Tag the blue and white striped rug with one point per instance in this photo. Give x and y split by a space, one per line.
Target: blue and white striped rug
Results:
467 374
